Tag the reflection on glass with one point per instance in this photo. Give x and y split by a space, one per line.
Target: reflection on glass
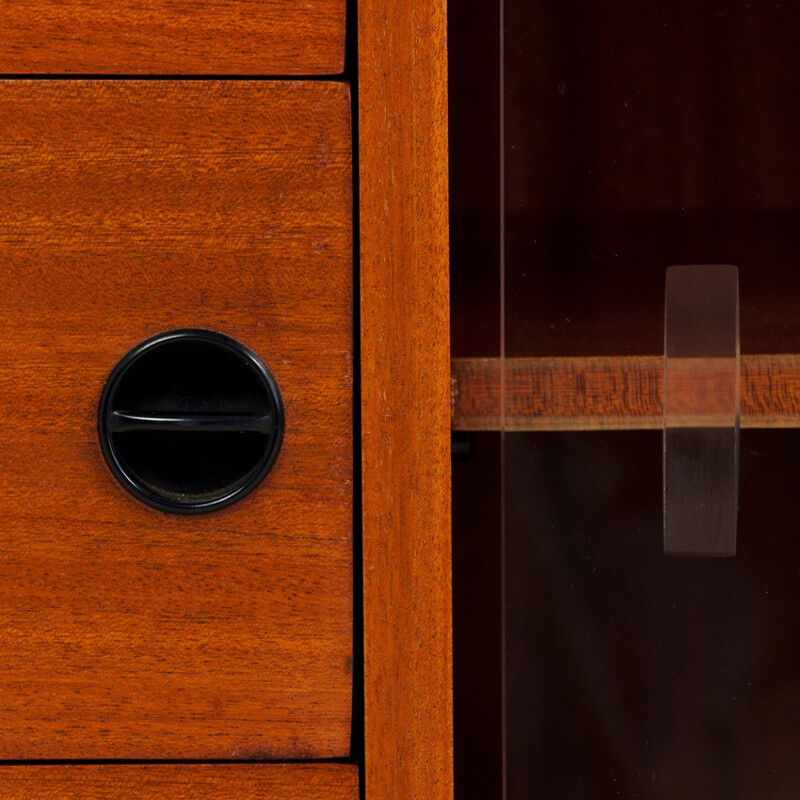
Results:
701 410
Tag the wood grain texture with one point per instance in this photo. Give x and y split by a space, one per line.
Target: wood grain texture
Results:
405 414
250 37
607 393
180 782
131 208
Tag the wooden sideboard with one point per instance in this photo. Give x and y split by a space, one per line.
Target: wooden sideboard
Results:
159 160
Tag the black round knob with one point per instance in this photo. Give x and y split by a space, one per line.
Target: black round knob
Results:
190 421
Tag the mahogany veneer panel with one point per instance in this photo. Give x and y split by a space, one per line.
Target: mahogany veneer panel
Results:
181 782
130 208
405 372
252 37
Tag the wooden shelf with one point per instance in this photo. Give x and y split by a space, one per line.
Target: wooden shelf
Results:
606 393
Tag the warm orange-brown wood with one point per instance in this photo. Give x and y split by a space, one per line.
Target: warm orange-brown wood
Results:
405 413
603 393
130 208
180 782
251 37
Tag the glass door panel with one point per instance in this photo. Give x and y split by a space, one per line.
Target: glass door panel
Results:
636 137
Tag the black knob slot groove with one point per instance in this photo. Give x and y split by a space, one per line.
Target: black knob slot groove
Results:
124 421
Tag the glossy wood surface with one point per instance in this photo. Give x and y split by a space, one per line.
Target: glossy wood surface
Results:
405 370
607 393
180 782
130 208
251 37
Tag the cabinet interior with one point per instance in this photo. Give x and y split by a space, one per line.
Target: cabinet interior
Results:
613 142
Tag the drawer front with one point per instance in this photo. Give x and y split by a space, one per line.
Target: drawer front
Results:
130 208
181 782
251 37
